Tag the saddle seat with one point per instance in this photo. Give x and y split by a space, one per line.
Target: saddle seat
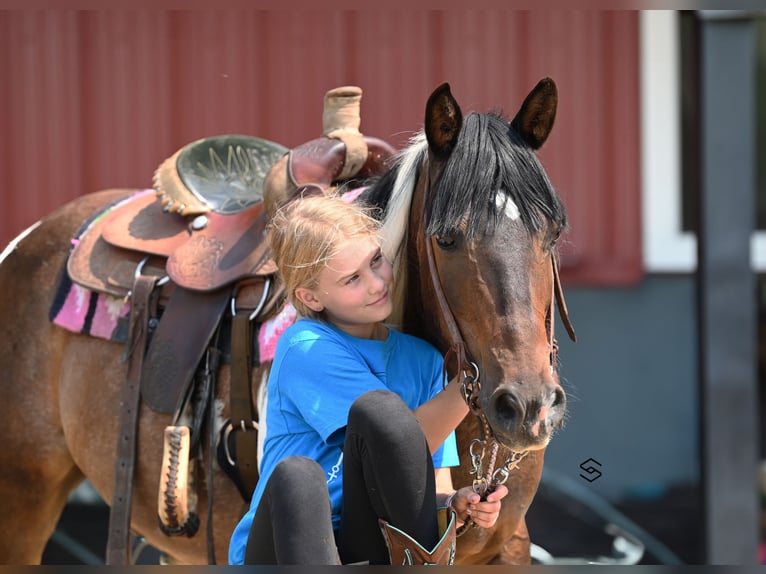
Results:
222 174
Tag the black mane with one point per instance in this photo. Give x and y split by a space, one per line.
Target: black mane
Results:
379 191
489 156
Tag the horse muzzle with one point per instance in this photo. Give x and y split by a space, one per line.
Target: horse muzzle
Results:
524 416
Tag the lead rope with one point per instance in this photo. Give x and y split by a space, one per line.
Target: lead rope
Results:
484 482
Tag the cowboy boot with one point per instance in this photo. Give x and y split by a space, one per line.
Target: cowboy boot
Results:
404 550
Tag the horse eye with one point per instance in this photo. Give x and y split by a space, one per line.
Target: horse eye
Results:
446 242
554 239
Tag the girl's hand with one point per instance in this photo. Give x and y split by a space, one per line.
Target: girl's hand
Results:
467 504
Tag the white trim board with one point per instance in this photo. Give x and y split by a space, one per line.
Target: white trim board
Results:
666 249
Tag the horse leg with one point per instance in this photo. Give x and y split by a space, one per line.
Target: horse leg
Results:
36 478
518 549
33 495
36 471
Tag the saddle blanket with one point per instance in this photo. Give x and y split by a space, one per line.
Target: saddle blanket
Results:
80 310
106 316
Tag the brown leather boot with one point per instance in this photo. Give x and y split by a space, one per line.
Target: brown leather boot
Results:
404 550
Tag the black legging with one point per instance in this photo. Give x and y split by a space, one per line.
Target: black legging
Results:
387 473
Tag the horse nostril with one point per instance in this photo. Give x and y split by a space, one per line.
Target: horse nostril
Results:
560 397
508 409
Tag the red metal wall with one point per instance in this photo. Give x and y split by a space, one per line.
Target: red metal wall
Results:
97 99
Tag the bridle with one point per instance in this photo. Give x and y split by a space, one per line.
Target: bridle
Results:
485 481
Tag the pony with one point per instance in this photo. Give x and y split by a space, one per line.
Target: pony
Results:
471 220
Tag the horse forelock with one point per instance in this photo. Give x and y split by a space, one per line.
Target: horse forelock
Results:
407 166
393 195
490 157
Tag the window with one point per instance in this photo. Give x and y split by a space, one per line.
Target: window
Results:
670 141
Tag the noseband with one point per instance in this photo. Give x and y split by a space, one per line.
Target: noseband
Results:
485 482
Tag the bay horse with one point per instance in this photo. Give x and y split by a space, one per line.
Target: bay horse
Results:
472 220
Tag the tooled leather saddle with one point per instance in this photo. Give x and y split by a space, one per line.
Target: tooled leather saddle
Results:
192 258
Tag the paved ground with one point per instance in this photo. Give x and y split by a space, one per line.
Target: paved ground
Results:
81 537
562 526
566 528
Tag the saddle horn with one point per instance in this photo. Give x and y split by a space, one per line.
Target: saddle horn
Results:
342 153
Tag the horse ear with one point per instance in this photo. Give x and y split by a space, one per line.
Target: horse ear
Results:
534 120
443 120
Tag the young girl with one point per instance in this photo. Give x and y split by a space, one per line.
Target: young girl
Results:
357 418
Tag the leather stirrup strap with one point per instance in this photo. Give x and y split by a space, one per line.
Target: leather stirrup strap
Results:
143 307
242 418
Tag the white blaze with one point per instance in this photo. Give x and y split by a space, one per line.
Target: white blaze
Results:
509 207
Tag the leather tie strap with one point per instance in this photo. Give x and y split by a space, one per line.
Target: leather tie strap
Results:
143 308
242 417
213 364
558 293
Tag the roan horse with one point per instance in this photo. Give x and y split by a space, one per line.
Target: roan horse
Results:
472 220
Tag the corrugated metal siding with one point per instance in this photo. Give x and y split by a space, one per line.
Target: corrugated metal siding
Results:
97 99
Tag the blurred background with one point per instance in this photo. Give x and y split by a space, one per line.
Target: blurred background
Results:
660 133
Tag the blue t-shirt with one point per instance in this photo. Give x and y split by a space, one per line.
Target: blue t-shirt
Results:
318 372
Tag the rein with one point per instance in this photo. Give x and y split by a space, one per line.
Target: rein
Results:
485 481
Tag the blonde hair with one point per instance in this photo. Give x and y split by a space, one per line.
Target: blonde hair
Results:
306 233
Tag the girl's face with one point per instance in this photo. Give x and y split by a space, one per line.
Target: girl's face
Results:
353 290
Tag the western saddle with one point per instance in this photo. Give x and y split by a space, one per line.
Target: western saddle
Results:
192 258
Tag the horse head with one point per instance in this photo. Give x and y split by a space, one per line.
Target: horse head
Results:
481 270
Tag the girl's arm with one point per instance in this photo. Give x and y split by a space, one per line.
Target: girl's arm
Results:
444 488
441 415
